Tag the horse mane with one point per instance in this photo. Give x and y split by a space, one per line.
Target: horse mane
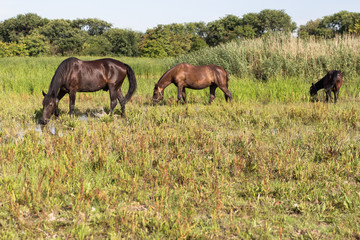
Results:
320 84
166 73
59 75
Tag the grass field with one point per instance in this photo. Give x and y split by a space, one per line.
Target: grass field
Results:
270 165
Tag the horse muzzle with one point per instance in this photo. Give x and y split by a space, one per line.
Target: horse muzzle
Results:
44 121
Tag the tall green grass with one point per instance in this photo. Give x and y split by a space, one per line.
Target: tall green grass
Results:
33 75
282 56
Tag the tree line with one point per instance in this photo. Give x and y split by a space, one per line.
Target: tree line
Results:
32 35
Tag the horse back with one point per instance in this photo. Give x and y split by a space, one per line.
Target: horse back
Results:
220 75
89 76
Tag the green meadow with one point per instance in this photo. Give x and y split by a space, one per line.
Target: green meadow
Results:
269 165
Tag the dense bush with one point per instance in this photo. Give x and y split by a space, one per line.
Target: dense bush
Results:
13 49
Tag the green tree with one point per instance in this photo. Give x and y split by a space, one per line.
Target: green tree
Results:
340 22
246 31
124 41
275 21
63 37
196 29
165 41
251 25
35 44
96 46
13 49
93 26
314 29
11 30
356 28
223 30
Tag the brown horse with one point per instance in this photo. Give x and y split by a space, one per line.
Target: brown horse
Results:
331 82
194 77
74 75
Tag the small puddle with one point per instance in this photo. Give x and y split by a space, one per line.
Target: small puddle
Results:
38 129
52 129
84 117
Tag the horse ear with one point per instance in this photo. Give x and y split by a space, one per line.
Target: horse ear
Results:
43 93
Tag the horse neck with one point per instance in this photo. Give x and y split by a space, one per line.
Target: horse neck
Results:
60 74
56 82
320 84
165 80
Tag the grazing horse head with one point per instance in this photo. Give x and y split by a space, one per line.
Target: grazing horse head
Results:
313 90
158 94
49 106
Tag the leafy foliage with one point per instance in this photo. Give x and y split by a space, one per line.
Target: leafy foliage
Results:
93 26
356 28
96 46
166 41
328 27
96 37
13 49
124 42
250 26
11 30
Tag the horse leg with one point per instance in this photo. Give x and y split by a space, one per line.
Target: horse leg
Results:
121 100
180 93
60 95
336 93
212 92
227 93
184 94
113 98
328 95
72 96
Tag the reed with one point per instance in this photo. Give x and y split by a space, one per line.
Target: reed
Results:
282 56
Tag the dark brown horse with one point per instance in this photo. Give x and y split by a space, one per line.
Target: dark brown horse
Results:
331 82
194 77
74 75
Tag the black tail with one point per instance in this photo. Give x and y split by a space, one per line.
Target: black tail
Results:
132 83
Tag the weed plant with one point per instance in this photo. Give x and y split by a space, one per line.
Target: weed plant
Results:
240 170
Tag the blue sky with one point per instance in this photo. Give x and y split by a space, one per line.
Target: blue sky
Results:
140 15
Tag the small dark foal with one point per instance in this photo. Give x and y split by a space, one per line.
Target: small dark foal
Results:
331 82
